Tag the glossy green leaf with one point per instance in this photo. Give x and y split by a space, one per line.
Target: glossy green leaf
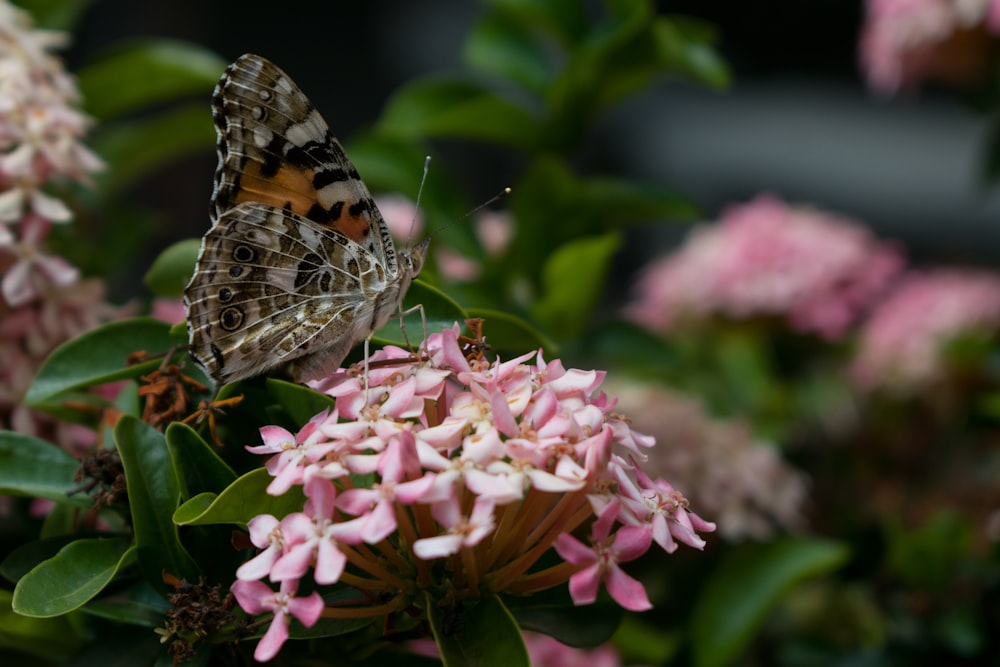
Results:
440 310
552 613
154 493
244 499
329 627
748 584
573 279
165 137
143 72
73 576
50 639
139 605
199 468
483 634
500 45
172 269
35 468
450 108
99 356
300 402
26 557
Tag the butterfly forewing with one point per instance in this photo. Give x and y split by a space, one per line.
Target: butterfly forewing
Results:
298 265
276 148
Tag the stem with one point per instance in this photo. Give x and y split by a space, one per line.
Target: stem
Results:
395 604
547 578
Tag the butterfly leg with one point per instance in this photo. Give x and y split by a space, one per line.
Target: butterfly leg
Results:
419 308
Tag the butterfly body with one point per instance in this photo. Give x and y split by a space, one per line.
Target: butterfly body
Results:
298 265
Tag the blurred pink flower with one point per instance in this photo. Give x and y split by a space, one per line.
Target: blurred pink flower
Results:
495 230
906 41
43 302
401 216
742 482
548 652
544 651
169 310
486 466
902 344
30 271
457 267
39 129
766 258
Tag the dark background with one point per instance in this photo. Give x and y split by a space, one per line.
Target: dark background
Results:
798 121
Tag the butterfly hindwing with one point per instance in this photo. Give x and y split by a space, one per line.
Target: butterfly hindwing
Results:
271 284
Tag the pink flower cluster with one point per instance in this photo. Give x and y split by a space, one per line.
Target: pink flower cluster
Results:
905 41
43 302
901 345
743 482
766 258
475 470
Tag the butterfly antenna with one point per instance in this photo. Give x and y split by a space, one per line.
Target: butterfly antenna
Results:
492 200
420 193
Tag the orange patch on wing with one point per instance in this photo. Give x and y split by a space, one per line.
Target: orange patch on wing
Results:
354 227
289 186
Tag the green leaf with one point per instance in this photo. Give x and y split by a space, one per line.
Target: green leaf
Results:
165 137
572 281
450 108
566 20
35 468
172 269
927 556
140 605
552 613
500 45
300 402
686 47
99 356
631 349
143 72
55 14
482 635
25 557
748 584
643 643
440 310
153 493
73 576
199 468
619 202
244 499
50 639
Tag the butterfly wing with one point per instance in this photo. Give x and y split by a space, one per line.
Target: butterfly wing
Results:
271 287
275 148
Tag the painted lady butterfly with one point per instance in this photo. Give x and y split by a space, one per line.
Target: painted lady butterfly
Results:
298 265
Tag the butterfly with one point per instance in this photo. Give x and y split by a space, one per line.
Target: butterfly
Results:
298 265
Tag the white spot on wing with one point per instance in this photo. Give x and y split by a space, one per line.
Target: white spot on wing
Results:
262 136
311 129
